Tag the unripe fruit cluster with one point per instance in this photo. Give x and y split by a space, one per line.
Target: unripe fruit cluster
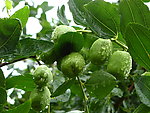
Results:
73 63
65 40
119 63
40 96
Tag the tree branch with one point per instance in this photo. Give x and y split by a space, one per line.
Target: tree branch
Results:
7 63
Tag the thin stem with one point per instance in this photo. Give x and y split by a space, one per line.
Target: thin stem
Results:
85 97
85 31
7 63
38 61
131 87
8 13
122 45
49 109
119 43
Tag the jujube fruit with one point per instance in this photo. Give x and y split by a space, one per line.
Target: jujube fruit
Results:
100 51
120 63
42 76
40 98
61 29
72 64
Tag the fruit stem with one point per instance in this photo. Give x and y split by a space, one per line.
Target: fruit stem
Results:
49 109
85 31
119 43
85 97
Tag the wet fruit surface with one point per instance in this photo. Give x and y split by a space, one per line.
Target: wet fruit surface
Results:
100 51
61 29
42 76
40 98
72 64
120 63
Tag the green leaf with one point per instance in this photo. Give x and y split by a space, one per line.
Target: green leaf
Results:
3 96
142 86
47 29
24 82
1 107
62 88
69 42
49 57
133 11
23 108
45 7
100 84
27 48
146 0
138 38
61 15
103 18
32 111
31 47
33 11
76 7
22 14
89 39
142 109
76 89
2 79
98 106
62 98
10 30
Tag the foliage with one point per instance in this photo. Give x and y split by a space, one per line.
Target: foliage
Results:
60 49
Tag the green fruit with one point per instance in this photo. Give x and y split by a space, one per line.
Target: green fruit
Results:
40 98
42 76
100 51
67 43
61 29
146 74
120 63
72 64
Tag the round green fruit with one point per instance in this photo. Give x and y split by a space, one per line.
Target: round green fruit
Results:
120 64
100 51
40 98
72 64
42 76
61 29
